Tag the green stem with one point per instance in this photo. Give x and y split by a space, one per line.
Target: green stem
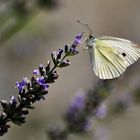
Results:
55 66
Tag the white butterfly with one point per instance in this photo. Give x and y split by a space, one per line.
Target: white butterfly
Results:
110 56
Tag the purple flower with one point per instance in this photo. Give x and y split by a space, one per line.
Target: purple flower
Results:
76 115
35 72
41 81
101 111
78 102
21 85
78 39
73 50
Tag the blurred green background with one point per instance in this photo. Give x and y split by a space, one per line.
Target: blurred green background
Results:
31 30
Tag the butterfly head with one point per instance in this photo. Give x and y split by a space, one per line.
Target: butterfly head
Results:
90 41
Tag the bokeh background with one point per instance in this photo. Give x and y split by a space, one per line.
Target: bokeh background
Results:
31 30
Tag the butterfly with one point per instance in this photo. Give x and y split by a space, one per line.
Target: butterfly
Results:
111 56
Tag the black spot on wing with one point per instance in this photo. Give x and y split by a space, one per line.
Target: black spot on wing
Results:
123 54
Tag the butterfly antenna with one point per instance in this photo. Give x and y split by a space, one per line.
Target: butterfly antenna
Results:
86 26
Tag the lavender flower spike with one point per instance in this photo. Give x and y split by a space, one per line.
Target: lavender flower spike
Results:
33 89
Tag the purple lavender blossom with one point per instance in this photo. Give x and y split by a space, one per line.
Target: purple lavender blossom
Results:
22 84
76 115
78 102
78 39
101 111
41 81
35 72
73 51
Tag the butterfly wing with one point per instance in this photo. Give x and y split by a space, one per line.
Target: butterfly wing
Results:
124 47
107 64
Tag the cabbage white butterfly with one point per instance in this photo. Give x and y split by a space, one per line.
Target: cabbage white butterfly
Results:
110 56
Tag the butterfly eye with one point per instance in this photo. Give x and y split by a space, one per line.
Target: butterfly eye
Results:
91 36
124 54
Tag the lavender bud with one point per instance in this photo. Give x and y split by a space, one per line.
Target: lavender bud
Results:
48 67
60 51
66 49
42 70
36 72
64 63
4 104
13 101
78 39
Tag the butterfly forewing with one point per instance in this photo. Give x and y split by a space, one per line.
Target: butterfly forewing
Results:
107 63
130 50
